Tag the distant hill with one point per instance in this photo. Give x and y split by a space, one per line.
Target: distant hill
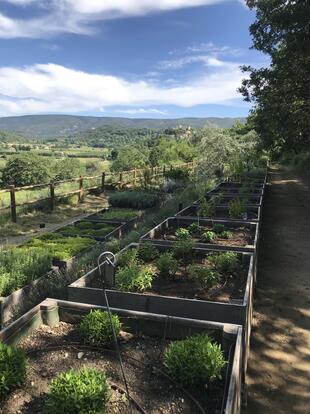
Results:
49 126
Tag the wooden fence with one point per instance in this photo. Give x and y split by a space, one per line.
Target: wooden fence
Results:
119 179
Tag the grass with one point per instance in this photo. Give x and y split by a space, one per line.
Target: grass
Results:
119 213
87 228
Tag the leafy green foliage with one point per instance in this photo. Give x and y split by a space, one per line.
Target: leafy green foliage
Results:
218 228
194 228
167 264
96 328
194 361
60 247
84 391
204 275
119 214
133 199
68 168
206 208
182 234
177 174
208 236
147 252
183 249
237 208
12 368
127 257
227 262
226 234
87 228
25 169
134 278
19 266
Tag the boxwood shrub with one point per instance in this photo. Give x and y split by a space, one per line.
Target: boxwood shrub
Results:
194 361
83 391
12 368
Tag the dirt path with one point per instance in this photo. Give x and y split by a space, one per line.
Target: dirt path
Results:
279 366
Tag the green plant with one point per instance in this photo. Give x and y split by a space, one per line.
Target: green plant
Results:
135 278
182 234
206 208
167 264
194 228
147 252
227 262
120 213
84 391
112 245
204 275
226 234
237 208
12 368
127 257
208 236
218 228
96 328
133 199
183 249
194 361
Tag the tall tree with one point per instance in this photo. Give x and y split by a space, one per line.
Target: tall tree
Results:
281 92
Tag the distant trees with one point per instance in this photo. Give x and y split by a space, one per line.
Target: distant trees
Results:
281 92
67 168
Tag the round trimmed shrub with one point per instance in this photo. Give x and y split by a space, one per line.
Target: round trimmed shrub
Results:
12 368
83 391
194 361
96 328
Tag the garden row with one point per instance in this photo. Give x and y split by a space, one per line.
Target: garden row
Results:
181 309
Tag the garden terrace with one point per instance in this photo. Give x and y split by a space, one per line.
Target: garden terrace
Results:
247 212
117 215
94 230
224 199
216 234
205 284
143 342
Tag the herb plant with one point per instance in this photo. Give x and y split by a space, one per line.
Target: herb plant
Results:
183 250
227 262
182 234
208 236
135 278
204 275
147 252
237 208
207 208
194 361
96 328
12 368
133 199
83 391
127 258
167 264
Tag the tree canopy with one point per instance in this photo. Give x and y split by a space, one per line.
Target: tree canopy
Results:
281 91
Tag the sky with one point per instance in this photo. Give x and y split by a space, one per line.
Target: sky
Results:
128 58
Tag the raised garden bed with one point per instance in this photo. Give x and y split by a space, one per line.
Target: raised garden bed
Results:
205 233
250 213
225 199
116 215
144 341
198 284
95 230
233 188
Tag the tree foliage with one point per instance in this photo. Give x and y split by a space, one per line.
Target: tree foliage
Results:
280 92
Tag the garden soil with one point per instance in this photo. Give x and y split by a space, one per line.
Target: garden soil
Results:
279 366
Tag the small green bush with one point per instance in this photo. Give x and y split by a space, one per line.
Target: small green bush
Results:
182 234
206 208
127 258
218 228
194 228
227 262
237 208
208 236
96 328
83 391
226 234
134 278
183 249
167 264
194 361
204 275
12 368
133 199
147 252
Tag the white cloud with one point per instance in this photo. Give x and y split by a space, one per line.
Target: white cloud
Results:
78 16
207 60
137 111
45 88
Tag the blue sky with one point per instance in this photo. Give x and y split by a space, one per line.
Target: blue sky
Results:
135 58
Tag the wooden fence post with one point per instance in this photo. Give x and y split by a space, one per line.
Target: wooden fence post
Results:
120 179
102 182
134 177
80 189
13 204
52 195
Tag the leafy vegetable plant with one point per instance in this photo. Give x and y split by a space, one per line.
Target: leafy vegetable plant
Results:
135 278
182 234
194 228
227 262
208 236
96 328
226 234
194 361
167 264
204 275
83 391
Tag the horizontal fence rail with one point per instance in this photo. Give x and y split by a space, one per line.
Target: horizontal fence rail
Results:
120 179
